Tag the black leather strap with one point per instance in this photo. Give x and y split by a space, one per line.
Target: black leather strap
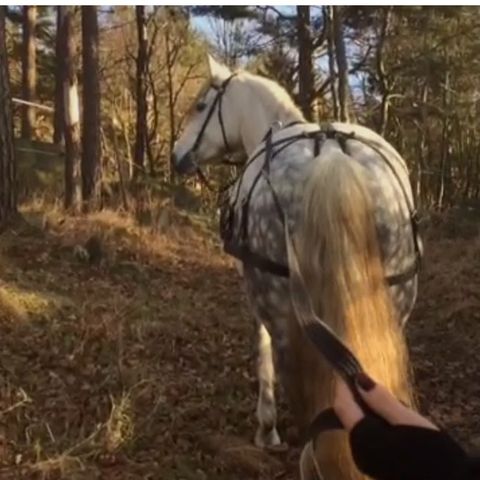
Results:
217 100
267 265
243 252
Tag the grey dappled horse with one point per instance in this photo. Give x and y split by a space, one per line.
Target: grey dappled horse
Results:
345 195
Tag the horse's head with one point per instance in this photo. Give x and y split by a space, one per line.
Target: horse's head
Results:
212 127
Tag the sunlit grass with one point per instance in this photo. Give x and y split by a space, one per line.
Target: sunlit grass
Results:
21 304
156 231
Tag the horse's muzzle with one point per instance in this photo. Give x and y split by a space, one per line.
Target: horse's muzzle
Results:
186 165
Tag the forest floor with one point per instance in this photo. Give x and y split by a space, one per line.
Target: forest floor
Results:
142 366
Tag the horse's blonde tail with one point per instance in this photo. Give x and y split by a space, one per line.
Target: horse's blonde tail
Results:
340 261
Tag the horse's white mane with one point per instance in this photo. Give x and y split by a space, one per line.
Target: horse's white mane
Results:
273 96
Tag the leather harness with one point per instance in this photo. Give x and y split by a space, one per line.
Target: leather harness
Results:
238 245
331 347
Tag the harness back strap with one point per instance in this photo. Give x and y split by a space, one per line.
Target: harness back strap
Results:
240 249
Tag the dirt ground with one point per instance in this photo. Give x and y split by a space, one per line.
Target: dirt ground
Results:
141 366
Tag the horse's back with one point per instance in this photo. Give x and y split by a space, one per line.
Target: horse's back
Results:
288 170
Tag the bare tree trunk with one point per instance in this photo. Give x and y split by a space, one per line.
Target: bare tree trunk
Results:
305 50
460 147
142 70
331 61
153 128
444 171
91 152
171 101
29 70
8 198
471 169
422 149
71 106
59 114
382 76
118 161
341 56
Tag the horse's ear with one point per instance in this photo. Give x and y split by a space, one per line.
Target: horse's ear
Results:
218 71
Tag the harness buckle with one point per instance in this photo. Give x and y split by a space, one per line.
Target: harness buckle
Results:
276 125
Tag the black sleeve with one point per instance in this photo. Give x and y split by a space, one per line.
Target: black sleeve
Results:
400 452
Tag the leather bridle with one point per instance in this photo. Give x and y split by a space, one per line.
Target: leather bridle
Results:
216 101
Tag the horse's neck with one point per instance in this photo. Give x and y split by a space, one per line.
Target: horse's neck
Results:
257 118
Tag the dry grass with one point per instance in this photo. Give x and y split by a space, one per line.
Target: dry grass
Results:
141 367
444 331
107 354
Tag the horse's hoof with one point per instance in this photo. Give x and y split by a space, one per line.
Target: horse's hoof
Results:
267 439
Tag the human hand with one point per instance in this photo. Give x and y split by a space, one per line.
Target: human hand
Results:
406 446
379 399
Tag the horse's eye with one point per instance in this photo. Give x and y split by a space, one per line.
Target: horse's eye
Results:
201 106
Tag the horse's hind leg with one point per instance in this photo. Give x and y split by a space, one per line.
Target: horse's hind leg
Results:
267 434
